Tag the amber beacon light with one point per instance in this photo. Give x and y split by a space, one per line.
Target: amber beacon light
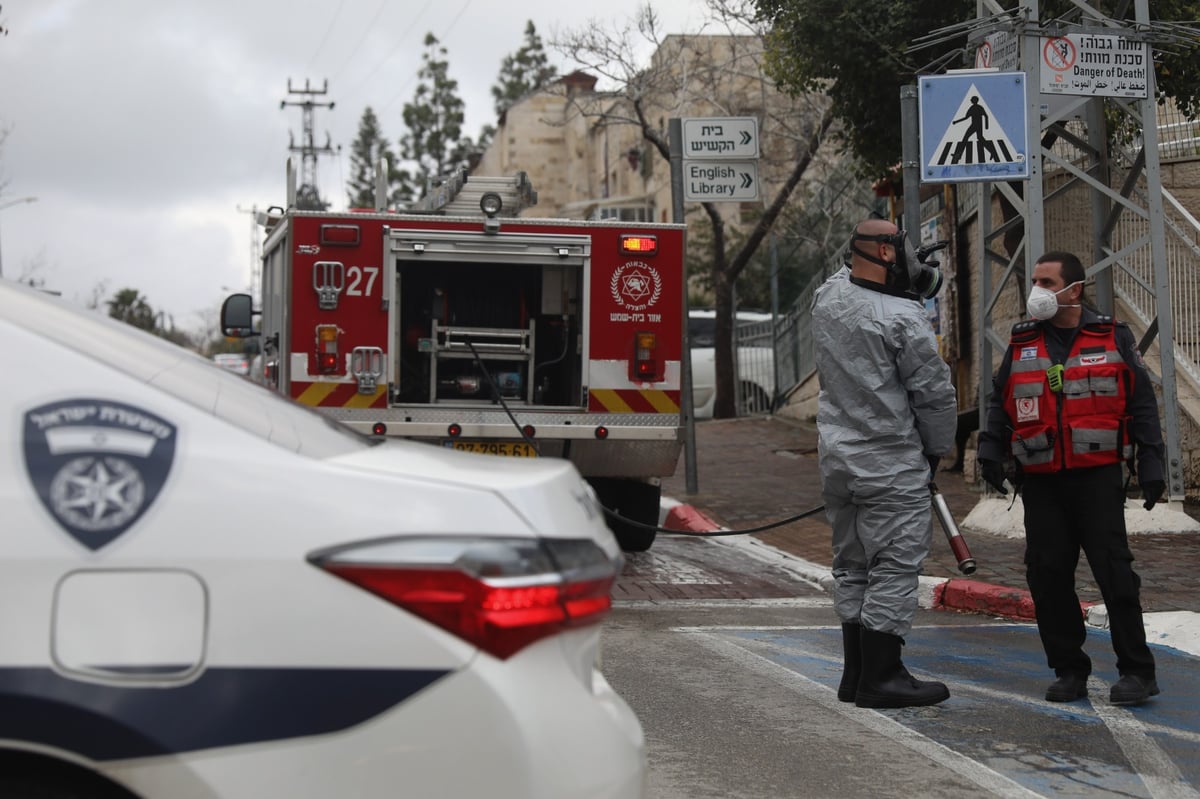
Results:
632 244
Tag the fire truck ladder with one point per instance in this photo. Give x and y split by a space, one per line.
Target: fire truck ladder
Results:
459 194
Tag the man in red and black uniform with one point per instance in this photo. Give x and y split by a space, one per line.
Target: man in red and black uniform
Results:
1072 402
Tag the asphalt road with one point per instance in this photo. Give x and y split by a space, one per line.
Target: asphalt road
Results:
735 686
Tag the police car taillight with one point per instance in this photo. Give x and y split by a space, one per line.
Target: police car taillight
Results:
646 365
500 594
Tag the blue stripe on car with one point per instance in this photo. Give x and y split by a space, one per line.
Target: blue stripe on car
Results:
223 707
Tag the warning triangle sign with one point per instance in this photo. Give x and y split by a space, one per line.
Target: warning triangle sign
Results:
974 136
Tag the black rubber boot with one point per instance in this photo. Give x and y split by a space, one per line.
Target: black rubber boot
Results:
885 682
852 651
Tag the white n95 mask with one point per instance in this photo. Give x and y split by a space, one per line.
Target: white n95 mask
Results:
1043 303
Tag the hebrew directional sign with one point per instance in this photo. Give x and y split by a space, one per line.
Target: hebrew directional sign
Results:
720 137
720 159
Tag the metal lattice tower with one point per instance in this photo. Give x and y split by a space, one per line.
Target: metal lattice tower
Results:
1048 124
308 196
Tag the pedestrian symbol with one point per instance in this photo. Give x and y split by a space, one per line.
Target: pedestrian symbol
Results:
977 141
973 127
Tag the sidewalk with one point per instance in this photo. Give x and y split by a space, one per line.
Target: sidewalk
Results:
758 470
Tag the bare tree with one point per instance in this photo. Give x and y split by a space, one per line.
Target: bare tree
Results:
4 131
717 72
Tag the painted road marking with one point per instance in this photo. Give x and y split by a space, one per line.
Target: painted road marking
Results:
997 674
1159 773
810 689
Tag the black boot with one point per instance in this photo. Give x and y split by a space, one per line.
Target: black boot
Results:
885 682
852 650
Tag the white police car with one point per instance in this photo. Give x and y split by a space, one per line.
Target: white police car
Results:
206 590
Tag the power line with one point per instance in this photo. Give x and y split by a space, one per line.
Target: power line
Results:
325 38
441 38
354 50
393 51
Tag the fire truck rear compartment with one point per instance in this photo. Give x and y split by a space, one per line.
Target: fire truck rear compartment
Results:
519 322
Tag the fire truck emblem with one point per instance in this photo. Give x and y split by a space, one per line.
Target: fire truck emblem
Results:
97 465
635 286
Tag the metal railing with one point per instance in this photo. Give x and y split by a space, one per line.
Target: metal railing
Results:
754 347
1178 134
1133 281
794 359
1133 273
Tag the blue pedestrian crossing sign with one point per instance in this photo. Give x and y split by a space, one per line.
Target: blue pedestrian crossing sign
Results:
973 127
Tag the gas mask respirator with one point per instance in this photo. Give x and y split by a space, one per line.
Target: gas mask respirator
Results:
913 272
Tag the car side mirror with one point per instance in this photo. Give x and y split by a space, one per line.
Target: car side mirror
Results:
237 316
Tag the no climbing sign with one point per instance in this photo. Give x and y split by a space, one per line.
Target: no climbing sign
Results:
973 127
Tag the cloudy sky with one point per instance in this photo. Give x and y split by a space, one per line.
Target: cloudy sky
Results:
147 129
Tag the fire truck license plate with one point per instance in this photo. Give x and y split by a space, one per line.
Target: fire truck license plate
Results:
513 449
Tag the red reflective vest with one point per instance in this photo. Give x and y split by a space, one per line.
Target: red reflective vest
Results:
1083 420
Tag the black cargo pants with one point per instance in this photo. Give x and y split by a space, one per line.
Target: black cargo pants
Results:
1064 512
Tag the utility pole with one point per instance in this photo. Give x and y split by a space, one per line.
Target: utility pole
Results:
308 197
255 250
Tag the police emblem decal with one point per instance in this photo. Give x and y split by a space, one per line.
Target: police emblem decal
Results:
97 465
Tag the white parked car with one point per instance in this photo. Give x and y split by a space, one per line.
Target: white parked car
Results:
755 364
235 362
208 590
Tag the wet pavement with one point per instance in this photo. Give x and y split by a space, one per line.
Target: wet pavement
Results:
758 470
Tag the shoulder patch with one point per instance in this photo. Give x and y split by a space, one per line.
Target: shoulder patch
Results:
1025 331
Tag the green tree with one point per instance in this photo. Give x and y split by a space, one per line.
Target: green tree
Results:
366 151
433 144
861 53
522 72
131 307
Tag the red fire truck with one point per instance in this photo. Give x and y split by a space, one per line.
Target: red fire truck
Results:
457 323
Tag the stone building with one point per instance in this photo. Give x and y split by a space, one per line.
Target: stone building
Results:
587 152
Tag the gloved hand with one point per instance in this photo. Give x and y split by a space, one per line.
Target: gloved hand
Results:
1152 491
933 460
993 474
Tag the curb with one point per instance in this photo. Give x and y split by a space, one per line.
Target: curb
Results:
683 518
971 596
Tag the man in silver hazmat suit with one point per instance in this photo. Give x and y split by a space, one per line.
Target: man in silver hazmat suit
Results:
887 412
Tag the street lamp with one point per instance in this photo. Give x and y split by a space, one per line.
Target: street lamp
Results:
10 204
